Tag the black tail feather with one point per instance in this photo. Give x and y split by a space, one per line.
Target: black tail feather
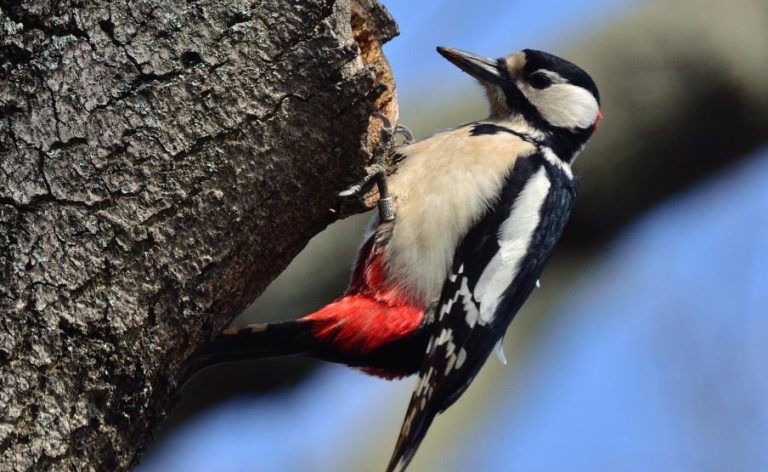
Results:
254 341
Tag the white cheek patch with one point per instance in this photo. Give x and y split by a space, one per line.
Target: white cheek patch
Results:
563 105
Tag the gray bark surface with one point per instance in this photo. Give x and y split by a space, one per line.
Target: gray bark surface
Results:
160 163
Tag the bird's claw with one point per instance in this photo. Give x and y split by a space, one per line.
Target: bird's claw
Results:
405 132
400 129
352 190
360 188
377 173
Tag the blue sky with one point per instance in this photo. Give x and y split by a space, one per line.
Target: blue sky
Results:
487 27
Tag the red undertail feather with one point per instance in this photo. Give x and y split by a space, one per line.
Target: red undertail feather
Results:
357 324
370 315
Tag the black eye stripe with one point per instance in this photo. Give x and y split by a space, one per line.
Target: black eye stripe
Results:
540 81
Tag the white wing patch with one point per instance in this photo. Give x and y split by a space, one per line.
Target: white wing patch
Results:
514 239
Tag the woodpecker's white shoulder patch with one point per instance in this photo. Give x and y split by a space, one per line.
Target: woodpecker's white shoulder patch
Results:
514 239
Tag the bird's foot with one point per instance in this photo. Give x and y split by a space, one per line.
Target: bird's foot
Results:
405 132
400 129
362 187
375 174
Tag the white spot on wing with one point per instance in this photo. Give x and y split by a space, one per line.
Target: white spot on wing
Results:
449 365
469 305
514 240
472 316
449 349
462 356
445 336
446 308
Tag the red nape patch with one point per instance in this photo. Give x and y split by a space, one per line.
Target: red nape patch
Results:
358 324
598 119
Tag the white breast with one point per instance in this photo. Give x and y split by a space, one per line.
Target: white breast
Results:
442 189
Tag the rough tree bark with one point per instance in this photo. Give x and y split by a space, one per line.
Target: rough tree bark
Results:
160 163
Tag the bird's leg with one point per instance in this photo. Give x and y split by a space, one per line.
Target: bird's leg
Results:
386 203
377 173
400 129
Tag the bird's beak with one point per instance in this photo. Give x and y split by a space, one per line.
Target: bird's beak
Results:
482 68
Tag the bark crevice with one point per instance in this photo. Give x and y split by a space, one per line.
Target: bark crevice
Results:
160 163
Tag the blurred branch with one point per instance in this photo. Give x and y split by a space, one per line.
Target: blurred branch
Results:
684 94
161 163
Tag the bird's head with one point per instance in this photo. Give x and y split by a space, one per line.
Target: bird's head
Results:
552 95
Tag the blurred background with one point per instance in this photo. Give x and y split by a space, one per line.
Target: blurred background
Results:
646 347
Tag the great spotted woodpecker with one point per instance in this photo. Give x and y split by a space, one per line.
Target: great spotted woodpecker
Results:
477 213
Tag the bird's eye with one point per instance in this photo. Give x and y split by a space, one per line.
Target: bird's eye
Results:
540 81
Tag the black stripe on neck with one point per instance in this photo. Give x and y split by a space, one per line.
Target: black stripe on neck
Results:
565 143
489 128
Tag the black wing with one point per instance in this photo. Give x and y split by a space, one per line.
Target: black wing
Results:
494 270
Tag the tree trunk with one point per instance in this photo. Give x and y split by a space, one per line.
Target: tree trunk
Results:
162 161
